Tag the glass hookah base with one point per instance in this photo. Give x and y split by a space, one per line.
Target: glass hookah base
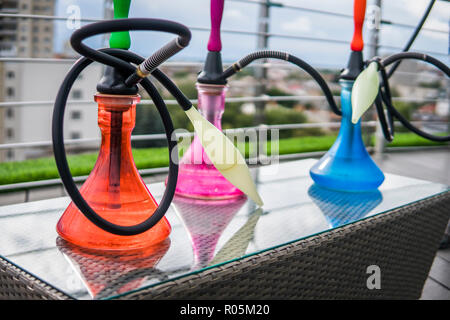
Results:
205 184
353 175
210 197
75 228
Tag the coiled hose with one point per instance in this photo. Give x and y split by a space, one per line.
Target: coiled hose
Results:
386 98
387 125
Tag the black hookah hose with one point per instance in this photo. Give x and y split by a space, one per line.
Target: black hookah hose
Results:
122 59
264 54
386 93
384 96
413 36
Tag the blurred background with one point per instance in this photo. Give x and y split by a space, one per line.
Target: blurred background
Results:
35 54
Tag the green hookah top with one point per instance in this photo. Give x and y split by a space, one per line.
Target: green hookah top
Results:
121 40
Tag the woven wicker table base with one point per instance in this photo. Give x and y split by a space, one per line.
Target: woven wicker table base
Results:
238 262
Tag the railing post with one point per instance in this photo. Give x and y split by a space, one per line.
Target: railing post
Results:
261 72
375 15
108 14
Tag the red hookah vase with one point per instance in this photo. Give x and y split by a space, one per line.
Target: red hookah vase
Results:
114 188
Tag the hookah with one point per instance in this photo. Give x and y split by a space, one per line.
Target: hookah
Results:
347 166
114 210
197 176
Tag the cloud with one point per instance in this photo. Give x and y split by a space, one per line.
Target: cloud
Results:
233 14
300 24
244 16
438 25
417 9
437 19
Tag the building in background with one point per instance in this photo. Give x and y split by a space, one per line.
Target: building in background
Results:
21 37
34 81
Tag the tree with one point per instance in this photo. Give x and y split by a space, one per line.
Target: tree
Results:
274 91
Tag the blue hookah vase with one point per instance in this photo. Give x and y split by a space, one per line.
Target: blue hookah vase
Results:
347 166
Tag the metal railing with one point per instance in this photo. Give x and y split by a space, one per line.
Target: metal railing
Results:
182 64
162 136
265 98
26 186
265 34
278 4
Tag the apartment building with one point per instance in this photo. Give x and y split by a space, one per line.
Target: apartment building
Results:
30 86
38 82
22 37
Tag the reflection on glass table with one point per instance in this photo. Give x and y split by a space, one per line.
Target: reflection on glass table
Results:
343 207
109 273
205 233
205 221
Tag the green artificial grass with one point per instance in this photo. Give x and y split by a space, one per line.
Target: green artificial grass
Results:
80 165
45 168
411 140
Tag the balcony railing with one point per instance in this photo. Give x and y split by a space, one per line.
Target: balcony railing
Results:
278 5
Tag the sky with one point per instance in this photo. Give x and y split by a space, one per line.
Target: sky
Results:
244 16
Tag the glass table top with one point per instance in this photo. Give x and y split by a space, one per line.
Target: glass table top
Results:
204 233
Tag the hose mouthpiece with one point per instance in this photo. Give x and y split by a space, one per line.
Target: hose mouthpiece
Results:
159 57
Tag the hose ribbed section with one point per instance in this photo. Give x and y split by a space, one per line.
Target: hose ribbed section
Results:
279 55
261 55
164 53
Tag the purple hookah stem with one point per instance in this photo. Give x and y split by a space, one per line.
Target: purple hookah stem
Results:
198 178
115 157
214 43
211 104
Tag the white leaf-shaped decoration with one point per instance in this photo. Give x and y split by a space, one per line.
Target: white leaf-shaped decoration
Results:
224 155
364 91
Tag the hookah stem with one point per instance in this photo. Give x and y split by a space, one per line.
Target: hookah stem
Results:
119 40
214 42
279 55
212 67
359 11
115 159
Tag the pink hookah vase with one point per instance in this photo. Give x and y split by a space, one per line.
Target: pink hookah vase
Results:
197 176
